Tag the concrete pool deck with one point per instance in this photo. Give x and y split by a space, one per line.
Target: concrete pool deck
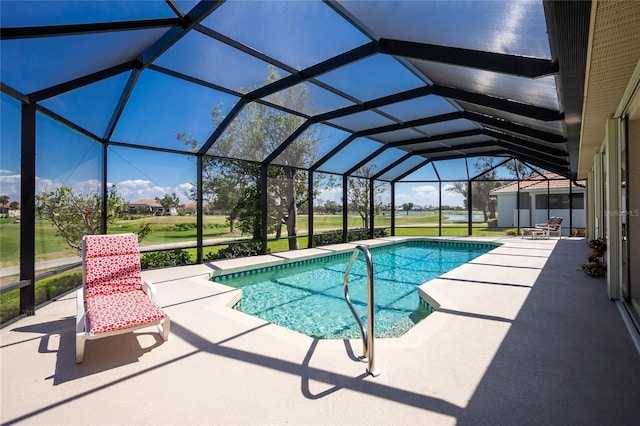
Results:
522 336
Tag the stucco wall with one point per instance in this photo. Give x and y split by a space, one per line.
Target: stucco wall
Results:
507 215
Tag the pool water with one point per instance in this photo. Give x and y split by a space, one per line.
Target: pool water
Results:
308 296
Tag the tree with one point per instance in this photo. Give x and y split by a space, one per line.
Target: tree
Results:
77 214
407 206
251 136
519 170
169 201
332 207
4 199
481 188
359 195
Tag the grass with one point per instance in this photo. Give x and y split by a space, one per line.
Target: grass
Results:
45 290
171 229
48 244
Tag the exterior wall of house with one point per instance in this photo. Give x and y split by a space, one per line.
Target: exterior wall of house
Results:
508 214
506 207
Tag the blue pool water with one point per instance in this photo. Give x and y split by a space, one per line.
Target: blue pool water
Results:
308 296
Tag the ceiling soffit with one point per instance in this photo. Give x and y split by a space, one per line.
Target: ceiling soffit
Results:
614 52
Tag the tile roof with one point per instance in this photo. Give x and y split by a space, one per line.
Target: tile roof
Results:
145 202
553 180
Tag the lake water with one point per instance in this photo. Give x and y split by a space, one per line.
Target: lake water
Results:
464 216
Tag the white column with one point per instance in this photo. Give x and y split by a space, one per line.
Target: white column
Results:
591 205
613 207
598 208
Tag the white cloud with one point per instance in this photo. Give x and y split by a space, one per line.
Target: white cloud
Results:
10 186
85 186
183 189
424 190
137 189
329 194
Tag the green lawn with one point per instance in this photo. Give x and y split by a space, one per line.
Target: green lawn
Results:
168 229
48 244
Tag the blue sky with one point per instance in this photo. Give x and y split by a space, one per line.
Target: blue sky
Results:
293 32
65 157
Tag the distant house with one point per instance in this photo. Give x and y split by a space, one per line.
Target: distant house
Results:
190 208
148 206
541 198
6 210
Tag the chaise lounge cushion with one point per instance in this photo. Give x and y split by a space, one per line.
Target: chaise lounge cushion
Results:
112 274
114 298
118 311
111 245
113 285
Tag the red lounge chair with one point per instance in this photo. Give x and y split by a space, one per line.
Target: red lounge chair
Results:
544 230
114 299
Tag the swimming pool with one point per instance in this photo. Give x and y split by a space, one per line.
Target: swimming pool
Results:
308 296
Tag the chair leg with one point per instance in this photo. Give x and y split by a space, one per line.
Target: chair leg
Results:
80 340
164 328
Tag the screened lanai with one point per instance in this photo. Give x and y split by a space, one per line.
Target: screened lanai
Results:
298 121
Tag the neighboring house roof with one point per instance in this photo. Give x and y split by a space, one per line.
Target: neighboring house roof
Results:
538 183
146 202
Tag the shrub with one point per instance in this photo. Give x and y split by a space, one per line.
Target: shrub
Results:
598 244
160 259
579 232
335 237
492 223
595 269
593 258
327 238
46 289
237 250
49 288
512 232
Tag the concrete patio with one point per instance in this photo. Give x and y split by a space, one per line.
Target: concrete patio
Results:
522 337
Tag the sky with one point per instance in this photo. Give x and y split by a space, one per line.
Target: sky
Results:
287 31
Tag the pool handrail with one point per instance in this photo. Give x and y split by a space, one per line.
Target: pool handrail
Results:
368 334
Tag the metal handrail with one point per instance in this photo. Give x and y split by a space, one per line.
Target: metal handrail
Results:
368 334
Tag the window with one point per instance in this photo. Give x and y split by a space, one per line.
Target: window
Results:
524 202
559 201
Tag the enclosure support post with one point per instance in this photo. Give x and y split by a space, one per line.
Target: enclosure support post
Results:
393 209
345 208
199 210
371 207
264 209
518 206
104 190
310 207
28 208
469 208
440 208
